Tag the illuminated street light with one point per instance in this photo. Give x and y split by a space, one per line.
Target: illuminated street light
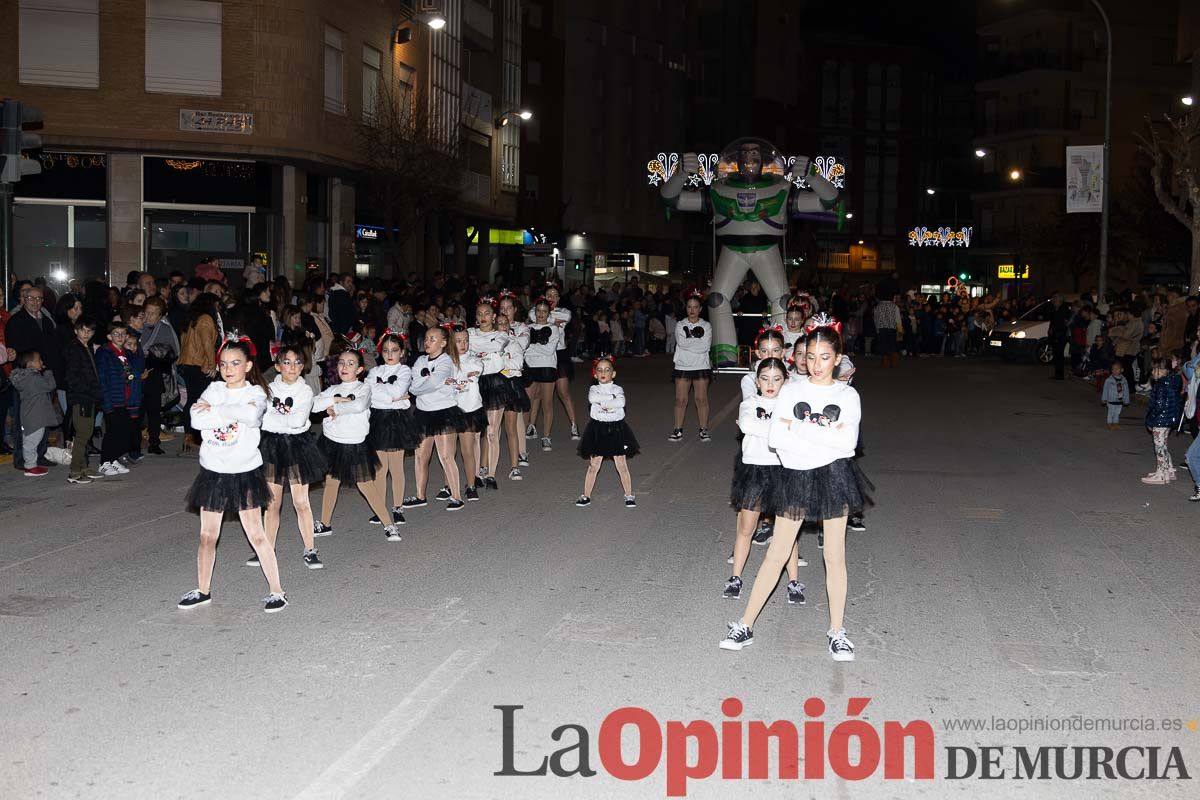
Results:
980 152
930 190
437 22
1187 100
1014 175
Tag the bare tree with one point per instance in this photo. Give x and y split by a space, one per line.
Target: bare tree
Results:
413 160
1174 153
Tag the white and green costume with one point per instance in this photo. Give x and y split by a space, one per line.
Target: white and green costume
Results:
750 210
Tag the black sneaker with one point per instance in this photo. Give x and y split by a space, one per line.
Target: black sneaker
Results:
397 516
676 435
630 501
478 483
444 494
414 502
821 540
454 505
321 529
795 591
764 533
194 598
490 483
273 602
252 561
739 637
531 432
704 437
583 500
733 588
841 648
1195 498
472 493
374 520
574 432
523 460
311 561
855 523
392 532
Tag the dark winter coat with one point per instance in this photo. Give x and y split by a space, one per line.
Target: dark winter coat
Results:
24 333
113 380
1166 402
82 378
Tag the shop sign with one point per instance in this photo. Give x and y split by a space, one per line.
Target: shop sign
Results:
216 121
1008 272
363 232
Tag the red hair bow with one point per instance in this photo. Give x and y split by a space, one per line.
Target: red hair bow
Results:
233 336
386 333
603 357
823 320
767 328
488 300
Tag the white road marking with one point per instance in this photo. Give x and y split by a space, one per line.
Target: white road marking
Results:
376 744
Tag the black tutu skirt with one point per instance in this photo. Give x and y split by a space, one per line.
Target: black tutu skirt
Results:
474 421
498 391
393 429
520 403
755 486
349 463
436 423
291 458
826 492
566 367
541 374
228 493
693 374
608 439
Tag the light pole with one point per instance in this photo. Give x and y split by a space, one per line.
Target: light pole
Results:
1103 276
1018 175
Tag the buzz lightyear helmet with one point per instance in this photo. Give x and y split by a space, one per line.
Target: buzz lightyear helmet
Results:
751 157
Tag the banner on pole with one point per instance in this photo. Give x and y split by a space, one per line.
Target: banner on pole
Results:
1085 179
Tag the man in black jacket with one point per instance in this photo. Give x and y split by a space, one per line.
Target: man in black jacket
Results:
340 304
1060 334
30 328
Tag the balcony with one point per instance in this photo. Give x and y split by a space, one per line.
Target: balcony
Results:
1002 65
477 189
1028 121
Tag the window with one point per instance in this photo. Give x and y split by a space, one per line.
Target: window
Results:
893 97
406 81
533 15
335 96
874 96
183 47
1083 103
846 94
370 83
532 186
533 73
59 43
829 91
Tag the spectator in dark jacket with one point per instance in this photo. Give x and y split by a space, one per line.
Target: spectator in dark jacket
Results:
340 302
121 381
84 394
31 328
1162 414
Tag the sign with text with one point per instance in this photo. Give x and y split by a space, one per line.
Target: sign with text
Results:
1009 272
216 121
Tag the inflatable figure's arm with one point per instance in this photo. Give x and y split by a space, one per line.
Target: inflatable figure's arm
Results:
673 195
823 197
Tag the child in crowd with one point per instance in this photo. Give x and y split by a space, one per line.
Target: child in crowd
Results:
1115 396
393 426
84 396
120 371
39 407
607 434
470 403
231 480
1162 415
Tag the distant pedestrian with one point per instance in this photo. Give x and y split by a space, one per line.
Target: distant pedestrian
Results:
1115 395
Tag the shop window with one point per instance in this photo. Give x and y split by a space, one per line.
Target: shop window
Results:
183 47
59 43
335 95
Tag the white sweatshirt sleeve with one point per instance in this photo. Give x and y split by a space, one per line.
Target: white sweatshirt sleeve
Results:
749 421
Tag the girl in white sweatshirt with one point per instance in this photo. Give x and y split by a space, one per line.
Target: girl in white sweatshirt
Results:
513 371
541 369
607 434
757 473
290 454
393 426
347 409
231 480
693 368
438 418
488 343
470 403
814 430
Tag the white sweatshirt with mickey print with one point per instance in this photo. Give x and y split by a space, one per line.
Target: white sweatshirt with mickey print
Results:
815 425
229 427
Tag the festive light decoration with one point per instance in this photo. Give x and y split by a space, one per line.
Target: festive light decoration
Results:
940 237
662 167
183 166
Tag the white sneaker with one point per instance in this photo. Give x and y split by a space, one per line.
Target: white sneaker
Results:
839 646
107 470
119 467
547 446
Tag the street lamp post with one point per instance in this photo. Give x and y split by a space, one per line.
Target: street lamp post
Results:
1103 276
1018 176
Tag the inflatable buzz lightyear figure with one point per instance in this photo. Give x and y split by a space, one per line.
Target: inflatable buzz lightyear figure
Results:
751 199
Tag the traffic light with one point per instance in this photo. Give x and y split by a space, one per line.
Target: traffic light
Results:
964 276
16 120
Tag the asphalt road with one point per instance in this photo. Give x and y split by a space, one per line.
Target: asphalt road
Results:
1014 568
